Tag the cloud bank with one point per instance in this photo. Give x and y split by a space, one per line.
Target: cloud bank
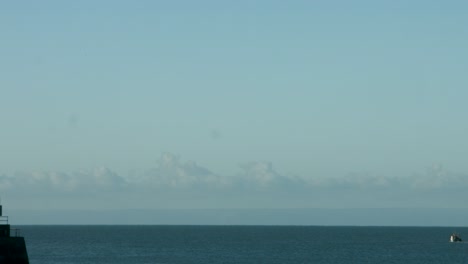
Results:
174 183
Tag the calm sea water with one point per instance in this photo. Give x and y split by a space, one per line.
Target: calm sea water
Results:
242 244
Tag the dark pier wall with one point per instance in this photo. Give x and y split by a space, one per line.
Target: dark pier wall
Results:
13 250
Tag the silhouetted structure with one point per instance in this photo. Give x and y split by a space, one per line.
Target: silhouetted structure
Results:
12 248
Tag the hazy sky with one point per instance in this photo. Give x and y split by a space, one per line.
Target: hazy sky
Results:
322 94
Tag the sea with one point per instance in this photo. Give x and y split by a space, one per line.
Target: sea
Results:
242 244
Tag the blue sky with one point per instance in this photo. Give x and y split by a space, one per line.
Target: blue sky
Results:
320 90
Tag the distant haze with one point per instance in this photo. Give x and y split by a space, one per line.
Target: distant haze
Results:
109 105
303 217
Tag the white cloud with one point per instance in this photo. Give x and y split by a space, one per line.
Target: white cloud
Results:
104 177
53 181
437 178
256 184
263 175
357 181
172 172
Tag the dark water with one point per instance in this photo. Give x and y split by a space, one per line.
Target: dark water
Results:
242 244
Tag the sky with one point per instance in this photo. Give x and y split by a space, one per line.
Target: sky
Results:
233 104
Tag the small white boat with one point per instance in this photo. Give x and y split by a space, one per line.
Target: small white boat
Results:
455 238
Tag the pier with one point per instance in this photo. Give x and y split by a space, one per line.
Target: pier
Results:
12 244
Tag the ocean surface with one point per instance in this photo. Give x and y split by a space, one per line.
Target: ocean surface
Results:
243 244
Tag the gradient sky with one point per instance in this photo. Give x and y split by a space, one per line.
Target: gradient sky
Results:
317 89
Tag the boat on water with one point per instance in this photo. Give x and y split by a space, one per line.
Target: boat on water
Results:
455 238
